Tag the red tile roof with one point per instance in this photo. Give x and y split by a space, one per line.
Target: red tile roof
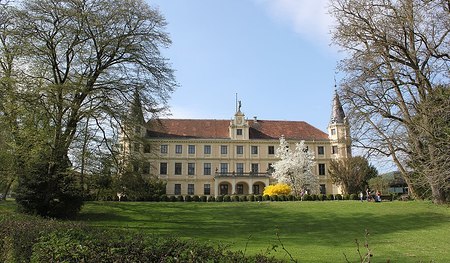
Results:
218 129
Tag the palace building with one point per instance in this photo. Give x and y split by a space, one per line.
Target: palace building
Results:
224 157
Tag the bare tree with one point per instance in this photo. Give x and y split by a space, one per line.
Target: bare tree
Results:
398 53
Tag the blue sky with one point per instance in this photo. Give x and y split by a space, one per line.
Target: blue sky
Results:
275 54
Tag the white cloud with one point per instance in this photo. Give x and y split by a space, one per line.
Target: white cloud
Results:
308 18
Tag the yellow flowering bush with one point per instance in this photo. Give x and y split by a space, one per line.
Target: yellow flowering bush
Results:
277 189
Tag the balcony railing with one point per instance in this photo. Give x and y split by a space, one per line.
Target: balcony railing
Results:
241 174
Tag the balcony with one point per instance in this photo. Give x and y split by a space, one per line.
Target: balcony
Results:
242 174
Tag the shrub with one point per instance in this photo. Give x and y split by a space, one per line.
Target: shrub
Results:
227 198
277 189
164 198
188 198
172 198
307 197
266 198
338 197
235 198
219 198
203 198
314 197
32 239
353 197
196 198
251 198
291 197
330 197
274 198
259 198
242 198
57 195
211 198
180 198
346 197
321 197
281 198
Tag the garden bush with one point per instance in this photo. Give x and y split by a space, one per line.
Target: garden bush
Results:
321 197
266 198
251 198
180 198
32 239
346 197
235 198
330 197
203 198
274 198
172 198
219 198
211 198
307 197
259 198
242 198
314 197
188 198
196 198
164 198
354 197
227 198
338 197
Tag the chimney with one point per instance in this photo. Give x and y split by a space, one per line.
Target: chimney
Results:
255 119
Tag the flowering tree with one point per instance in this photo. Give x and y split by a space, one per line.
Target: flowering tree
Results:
295 167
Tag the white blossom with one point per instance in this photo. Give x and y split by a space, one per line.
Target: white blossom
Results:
295 167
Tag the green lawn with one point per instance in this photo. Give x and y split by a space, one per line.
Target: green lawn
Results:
310 231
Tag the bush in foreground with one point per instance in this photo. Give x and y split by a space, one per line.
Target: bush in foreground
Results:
27 238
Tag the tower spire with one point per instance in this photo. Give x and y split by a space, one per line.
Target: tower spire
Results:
337 112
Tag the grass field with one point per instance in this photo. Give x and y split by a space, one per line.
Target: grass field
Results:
310 231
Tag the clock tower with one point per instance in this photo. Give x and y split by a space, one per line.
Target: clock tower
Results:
239 128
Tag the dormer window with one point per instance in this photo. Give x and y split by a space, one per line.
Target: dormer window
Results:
239 132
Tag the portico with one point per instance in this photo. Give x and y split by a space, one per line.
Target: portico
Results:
240 183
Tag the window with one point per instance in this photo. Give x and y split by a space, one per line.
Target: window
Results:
321 169
136 167
146 148
240 189
191 149
333 131
239 132
177 189
207 169
178 149
223 149
190 189
254 149
334 150
271 149
163 168
164 148
240 149
255 167
207 149
323 190
224 168
146 168
136 146
240 168
206 189
320 150
256 189
191 168
178 168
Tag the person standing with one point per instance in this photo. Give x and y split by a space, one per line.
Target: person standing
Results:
361 196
